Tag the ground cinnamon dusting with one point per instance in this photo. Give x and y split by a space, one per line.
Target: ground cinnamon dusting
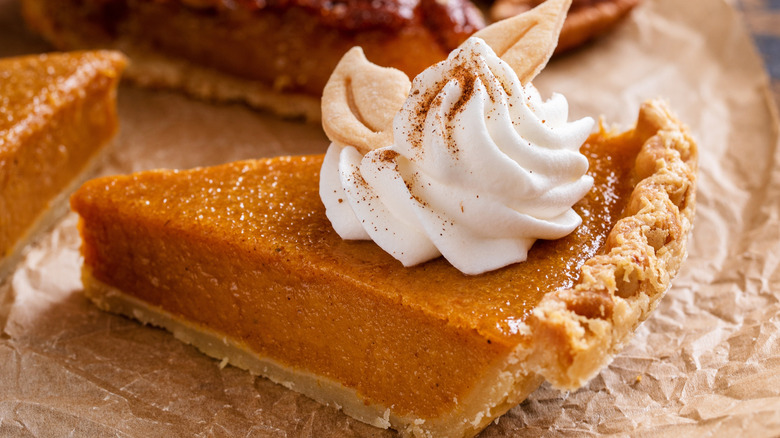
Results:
387 156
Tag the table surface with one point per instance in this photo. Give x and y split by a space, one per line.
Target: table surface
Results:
762 18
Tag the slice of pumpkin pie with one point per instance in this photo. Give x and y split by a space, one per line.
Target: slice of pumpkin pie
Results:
57 111
391 279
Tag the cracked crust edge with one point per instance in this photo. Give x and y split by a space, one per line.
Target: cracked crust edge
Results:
507 383
589 323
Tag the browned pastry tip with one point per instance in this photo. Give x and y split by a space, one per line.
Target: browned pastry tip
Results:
587 19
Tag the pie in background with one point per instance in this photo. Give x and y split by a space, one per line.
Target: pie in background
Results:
278 54
58 111
275 54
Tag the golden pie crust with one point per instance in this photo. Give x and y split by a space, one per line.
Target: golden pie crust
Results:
58 114
426 350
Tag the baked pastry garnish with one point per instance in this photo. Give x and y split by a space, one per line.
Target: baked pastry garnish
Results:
587 19
58 112
275 54
241 261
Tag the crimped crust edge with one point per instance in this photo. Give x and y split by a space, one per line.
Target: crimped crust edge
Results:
576 332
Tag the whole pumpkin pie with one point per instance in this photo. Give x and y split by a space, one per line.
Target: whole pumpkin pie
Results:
58 112
246 260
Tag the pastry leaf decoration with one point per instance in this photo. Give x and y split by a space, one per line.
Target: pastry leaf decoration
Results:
360 100
527 41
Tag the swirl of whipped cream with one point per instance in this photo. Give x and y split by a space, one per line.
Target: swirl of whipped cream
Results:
480 167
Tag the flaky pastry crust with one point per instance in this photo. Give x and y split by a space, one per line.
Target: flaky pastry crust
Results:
575 332
152 70
507 384
361 99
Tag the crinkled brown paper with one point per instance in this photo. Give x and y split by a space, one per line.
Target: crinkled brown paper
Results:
707 362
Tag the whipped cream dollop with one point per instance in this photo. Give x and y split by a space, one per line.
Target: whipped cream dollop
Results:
480 167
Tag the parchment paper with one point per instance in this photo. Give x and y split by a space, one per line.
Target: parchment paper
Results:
706 363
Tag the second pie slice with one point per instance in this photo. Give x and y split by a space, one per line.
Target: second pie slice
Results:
57 116
241 261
